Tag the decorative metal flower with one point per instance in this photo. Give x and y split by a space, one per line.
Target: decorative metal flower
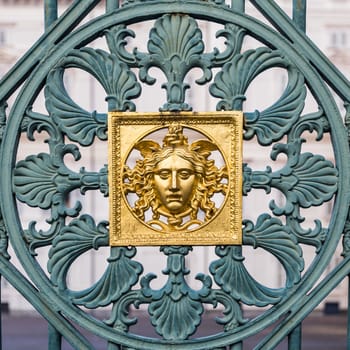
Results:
176 47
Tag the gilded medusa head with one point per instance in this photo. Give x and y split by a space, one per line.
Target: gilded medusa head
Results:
176 182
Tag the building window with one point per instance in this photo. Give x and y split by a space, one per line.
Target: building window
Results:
2 37
340 38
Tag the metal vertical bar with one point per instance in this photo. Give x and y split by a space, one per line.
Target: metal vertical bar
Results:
111 5
112 346
282 22
237 346
0 314
55 339
3 106
50 16
294 338
299 14
238 5
51 12
348 325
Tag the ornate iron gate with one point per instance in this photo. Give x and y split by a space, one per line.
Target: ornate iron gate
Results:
175 46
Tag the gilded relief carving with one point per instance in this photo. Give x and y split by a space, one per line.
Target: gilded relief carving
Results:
174 179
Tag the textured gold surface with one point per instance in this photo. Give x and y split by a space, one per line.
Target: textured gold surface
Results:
175 178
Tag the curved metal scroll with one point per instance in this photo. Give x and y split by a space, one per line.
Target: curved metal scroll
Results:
175 47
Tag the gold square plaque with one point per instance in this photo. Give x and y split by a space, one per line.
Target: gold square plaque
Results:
175 178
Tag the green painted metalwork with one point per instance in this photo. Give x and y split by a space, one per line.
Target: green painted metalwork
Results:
299 14
51 12
175 47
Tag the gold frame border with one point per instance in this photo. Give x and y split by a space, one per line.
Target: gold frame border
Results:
200 236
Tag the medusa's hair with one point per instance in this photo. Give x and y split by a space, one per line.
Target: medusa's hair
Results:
209 178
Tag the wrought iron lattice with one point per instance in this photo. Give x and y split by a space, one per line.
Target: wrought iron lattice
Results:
176 47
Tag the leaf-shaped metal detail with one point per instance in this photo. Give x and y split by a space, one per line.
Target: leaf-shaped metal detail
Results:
116 42
119 318
4 240
3 106
117 79
347 119
40 180
75 239
271 235
234 38
232 81
38 122
307 180
175 319
34 180
274 122
310 122
231 275
176 309
346 237
175 46
176 36
40 238
311 236
121 274
233 316
43 180
79 125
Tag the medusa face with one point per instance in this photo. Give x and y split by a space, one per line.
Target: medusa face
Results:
174 182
